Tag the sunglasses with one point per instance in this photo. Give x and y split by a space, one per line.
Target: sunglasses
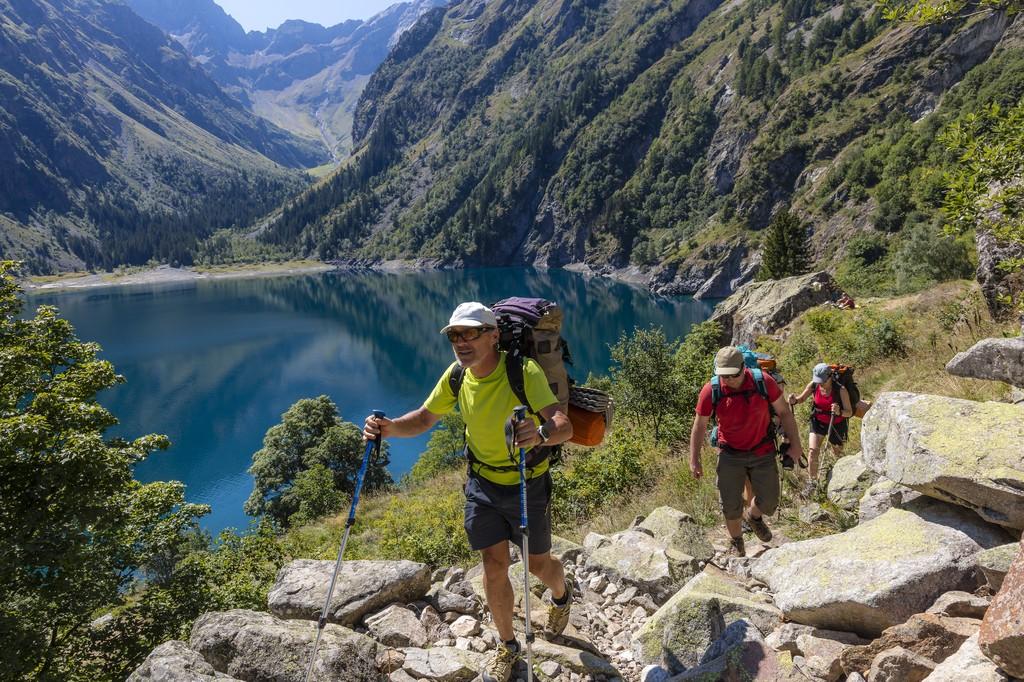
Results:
471 334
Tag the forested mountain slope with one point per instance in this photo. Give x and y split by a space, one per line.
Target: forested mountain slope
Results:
116 148
301 76
658 134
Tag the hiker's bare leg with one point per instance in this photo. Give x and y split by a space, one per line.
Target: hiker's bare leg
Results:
550 572
735 527
748 492
813 449
498 588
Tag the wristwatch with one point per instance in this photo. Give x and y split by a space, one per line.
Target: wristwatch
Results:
542 432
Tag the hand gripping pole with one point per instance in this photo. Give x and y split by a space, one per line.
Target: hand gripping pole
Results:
373 445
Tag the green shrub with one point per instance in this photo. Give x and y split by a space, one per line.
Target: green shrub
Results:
426 527
444 450
853 337
592 477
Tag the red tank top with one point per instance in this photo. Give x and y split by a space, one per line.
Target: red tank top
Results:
823 405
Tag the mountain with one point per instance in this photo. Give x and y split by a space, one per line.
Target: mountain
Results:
117 148
658 135
303 77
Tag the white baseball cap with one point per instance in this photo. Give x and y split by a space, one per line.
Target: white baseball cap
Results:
471 314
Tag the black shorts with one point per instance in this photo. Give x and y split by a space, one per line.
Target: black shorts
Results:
492 512
839 430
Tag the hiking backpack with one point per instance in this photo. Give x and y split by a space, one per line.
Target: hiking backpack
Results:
843 375
758 364
532 328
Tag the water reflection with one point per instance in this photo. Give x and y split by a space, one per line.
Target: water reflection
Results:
213 364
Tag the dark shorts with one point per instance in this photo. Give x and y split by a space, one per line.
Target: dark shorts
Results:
733 471
840 430
492 512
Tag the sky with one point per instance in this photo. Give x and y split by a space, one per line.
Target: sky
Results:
259 15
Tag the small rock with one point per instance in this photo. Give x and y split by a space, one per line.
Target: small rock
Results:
626 595
465 626
960 605
550 668
389 660
900 665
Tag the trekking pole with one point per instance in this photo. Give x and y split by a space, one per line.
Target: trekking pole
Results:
373 445
519 414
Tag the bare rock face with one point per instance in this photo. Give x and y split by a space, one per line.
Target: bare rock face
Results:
362 587
968 663
995 282
871 577
929 635
965 452
993 359
174 661
713 272
251 645
679 531
1002 630
766 307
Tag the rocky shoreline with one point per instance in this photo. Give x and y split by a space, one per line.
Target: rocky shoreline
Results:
165 274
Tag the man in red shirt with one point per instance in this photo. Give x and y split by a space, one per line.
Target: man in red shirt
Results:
746 449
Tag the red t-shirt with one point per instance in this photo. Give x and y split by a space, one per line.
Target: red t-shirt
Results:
743 415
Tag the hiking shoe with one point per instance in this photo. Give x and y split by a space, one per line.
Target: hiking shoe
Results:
738 548
760 528
499 666
558 616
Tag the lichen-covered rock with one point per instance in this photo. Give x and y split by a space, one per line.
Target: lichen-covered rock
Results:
882 496
960 451
174 661
1002 630
871 577
995 359
930 635
995 563
397 626
849 480
968 663
679 531
251 645
362 587
765 307
635 558
676 633
741 654
443 664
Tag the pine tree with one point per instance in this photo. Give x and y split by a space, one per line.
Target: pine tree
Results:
786 249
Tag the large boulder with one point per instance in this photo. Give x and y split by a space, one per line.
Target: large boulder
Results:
995 359
362 587
871 577
849 480
634 557
765 307
960 451
687 623
995 563
882 496
741 654
968 663
174 661
1002 630
251 645
930 635
678 531
997 284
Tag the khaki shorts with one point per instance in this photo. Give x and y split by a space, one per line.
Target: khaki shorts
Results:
734 470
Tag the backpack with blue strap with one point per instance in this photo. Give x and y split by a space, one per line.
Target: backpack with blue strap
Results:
753 361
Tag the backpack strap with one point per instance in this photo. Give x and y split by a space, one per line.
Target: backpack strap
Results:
455 377
514 372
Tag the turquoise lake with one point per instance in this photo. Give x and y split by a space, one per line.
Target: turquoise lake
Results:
214 363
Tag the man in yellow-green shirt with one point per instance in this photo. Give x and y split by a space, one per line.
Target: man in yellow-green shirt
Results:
485 398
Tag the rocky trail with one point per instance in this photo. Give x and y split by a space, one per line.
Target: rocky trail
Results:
929 585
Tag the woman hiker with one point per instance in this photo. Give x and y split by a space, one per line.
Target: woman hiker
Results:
831 408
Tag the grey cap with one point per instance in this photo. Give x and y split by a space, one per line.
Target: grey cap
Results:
821 373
